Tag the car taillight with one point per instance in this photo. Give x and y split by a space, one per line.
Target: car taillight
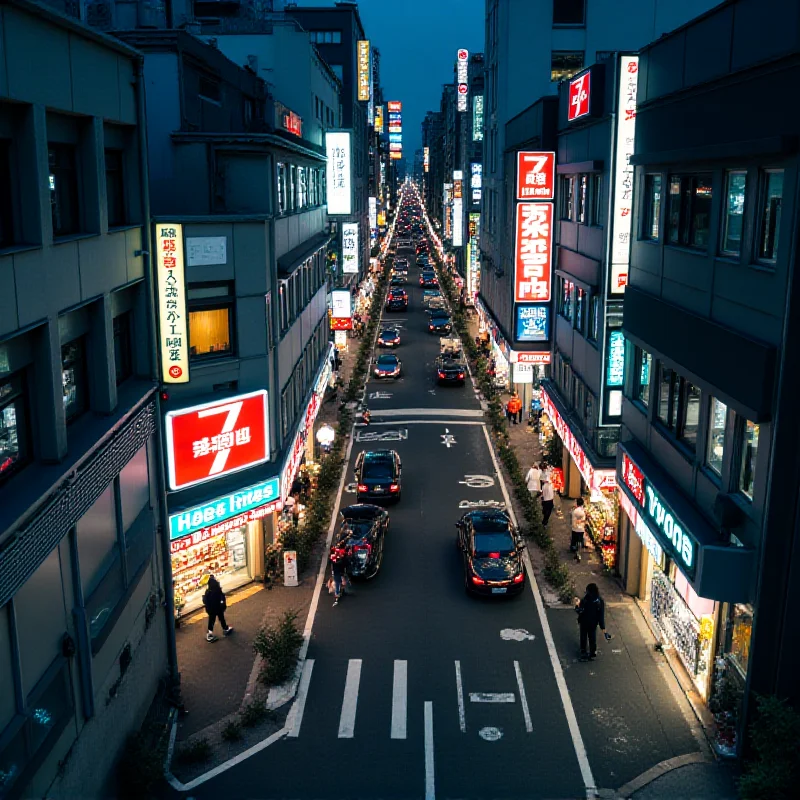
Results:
362 487
494 555
362 548
519 578
478 581
430 327
395 487
441 374
460 374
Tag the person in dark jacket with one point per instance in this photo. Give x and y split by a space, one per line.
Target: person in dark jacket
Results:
339 573
591 613
214 602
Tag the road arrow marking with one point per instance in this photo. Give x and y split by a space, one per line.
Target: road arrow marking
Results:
478 481
490 734
448 440
492 697
516 634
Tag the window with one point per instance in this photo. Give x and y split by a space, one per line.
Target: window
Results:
594 318
735 183
747 469
115 189
689 210
7 237
580 311
338 71
679 407
583 191
642 361
596 199
565 304
738 633
564 64
326 37
716 435
689 414
652 208
210 321
769 223
123 354
14 440
210 90
567 196
569 12
63 179
667 400
74 379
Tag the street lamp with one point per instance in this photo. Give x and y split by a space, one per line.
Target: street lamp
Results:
325 436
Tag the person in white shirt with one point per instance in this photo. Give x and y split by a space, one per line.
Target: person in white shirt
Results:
533 480
578 528
547 500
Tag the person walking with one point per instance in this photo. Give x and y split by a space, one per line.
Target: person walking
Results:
215 605
533 480
509 413
515 408
578 528
338 571
547 498
591 613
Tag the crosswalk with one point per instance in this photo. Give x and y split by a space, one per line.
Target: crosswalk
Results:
398 701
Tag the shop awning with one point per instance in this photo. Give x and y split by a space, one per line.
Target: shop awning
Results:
289 262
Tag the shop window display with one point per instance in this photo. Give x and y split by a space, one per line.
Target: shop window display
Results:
602 522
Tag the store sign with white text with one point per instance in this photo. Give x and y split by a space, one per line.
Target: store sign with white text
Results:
350 248
533 323
477 118
173 328
533 252
340 190
363 70
536 175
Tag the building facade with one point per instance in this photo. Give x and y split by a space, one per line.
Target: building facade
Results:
708 464
86 630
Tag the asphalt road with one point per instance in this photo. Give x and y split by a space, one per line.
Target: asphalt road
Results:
415 689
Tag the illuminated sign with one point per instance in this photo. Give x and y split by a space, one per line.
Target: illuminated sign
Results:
381 219
667 523
337 146
473 254
395 138
426 158
341 324
363 70
462 95
341 304
379 119
523 373
173 331
207 441
477 118
633 478
536 175
462 77
394 105
350 248
373 212
623 173
532 358
615 364
395 156
533 251
395 147
193 520
579 96
476 175
458 222
533 323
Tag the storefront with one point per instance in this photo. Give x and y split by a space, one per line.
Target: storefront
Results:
581 478
223 537
694 587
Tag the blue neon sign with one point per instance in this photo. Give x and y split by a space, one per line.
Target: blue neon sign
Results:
533 323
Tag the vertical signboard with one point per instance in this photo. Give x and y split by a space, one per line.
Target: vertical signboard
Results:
373 212
579 96
614 375
426 158
462 72
536 175
337 146
173 329
363 70
477 118
476 181
458 208
623 173
533 248
473 255
379 119
446 200
350 248
395 123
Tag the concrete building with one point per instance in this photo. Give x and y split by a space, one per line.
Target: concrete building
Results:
245 201
570 35
708 462
433 139
84 637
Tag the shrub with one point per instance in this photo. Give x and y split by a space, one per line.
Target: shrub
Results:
197 751
255 713
232 731
279 646
141 766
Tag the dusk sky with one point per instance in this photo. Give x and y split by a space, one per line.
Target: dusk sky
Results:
418 40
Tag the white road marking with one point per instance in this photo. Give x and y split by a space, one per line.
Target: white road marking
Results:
482 504
478 481
515 634
448 440
490 734
295 718
400 700
462 719
523 699
492 697
430 412
566 700
430 783
374 424
347 720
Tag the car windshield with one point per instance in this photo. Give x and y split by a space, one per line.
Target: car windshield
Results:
387 361
486 543
377 470
389 334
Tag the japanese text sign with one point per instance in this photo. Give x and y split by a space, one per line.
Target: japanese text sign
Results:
615 365
173 329
379 119
579 96
477 118
633 478
350 248
426 158
395 105
341 304
217 438
533 252
462 72
337 146
536 175
533 323
363 69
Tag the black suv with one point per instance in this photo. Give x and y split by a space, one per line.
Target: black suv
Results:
450 370
378 474
360 538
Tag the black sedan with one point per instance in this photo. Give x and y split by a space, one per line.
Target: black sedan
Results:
491 551
397 299
389 337
439 322
360 538
378 475
387 366
428 280
450 370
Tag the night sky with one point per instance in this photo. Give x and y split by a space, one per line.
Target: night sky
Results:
418 40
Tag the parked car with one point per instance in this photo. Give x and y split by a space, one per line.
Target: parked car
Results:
378 475
360 537
491 551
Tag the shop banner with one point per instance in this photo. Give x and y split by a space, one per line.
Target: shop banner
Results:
194 519
207 441
580 96
350 248
533 251
198 537
173 331
536 175
533 323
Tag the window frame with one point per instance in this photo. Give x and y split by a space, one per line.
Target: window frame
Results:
212 303
741 436
8 229
82 384
565 74
637 387
651 216
723 228
72 191
683 408
573 24
596 199
18 395
763 188
567 209
593 318
686 229
710 441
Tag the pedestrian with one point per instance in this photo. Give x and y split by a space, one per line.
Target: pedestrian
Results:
516 408
547 499
339 573
509 412
215 605
533 480
591 613
578 528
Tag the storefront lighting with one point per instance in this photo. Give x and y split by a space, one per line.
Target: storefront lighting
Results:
325 435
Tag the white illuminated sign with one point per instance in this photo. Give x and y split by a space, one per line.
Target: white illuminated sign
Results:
373 212
173 329
337 146
458 222
477 118
683 545
462 76
350 248
341 304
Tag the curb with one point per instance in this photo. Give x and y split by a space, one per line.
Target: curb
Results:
662 768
